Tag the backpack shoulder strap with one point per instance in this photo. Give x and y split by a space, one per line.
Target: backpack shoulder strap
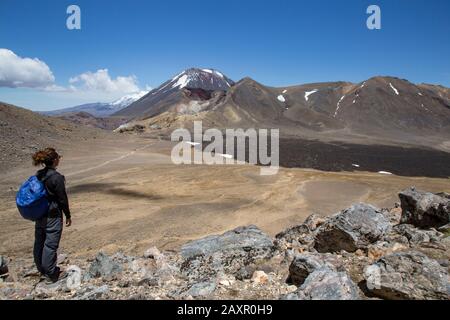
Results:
45 179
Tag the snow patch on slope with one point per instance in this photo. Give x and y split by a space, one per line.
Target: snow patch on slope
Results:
394 89
281 98
181 82
338 105
308 93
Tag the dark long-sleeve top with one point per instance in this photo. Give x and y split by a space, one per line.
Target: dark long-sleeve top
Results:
55 184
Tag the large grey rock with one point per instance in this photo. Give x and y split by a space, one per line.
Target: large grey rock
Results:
103 266
3 266
93 293
327 284
305 264
295 233
424 209
44 290
226 253
242 238
417 236
407 276
202 289
352 229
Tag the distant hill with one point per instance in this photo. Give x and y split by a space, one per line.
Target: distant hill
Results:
100 109
87 119
22 132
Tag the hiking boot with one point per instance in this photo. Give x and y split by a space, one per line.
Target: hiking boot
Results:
57 276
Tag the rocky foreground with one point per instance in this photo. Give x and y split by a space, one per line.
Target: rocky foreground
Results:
360 253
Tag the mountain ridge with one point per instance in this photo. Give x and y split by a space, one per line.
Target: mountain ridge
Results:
387 106
99 109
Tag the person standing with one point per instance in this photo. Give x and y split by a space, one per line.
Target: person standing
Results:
48 229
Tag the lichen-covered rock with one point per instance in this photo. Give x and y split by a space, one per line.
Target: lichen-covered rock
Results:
314 221
352 229
417 236
44 290
305 264
295 233
379 249
242 238
202 289
327 284
424 209
229 252
105 267
298 238
93 293
407 276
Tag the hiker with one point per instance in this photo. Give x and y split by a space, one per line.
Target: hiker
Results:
48 229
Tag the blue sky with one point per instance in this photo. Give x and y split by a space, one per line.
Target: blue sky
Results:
276 42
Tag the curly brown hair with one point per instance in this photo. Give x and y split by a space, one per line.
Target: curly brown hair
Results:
45 157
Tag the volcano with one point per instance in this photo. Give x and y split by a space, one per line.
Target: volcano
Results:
184 93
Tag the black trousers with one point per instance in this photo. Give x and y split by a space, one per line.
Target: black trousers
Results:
48 231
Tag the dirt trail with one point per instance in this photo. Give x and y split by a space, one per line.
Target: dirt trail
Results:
107 162
126 194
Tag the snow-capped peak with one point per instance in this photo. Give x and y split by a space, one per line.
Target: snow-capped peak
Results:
125 101
207 79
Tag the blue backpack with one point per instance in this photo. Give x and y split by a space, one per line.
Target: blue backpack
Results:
31 199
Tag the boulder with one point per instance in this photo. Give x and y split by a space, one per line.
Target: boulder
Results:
228 253
45 290
93 293
294 233
103 266
314 221
424 209
202 289
299 237
260 277
417 236
242 238
377 250
407 276
352 229
305 264
327 284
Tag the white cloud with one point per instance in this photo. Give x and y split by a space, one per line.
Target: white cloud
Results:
101 81
97 86
18 72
